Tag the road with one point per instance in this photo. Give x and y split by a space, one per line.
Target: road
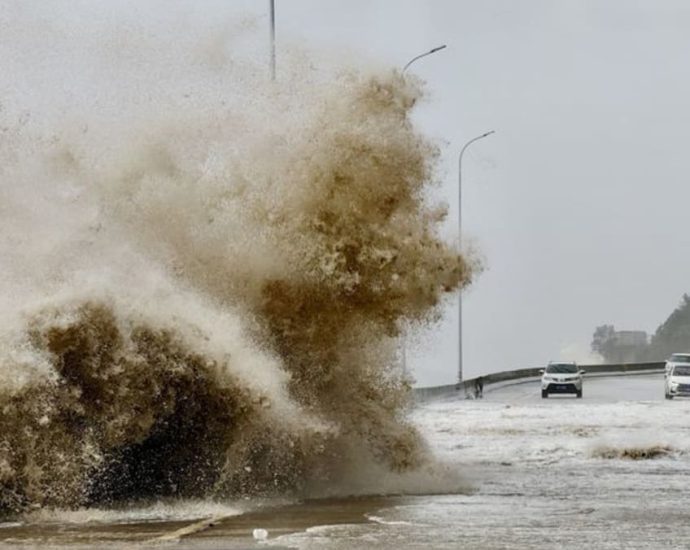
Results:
606 471
597 389
510 471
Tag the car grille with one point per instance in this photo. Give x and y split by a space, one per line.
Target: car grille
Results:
685 388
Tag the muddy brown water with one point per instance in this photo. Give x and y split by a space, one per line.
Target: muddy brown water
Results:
220 532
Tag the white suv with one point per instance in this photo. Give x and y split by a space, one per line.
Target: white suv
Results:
677 359
561 378
677 381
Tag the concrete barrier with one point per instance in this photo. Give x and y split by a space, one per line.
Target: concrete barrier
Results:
466 388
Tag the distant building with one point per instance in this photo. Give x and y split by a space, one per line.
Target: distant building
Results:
630 344
631 337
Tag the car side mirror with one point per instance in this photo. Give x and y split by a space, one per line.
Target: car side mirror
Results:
583 371
541 371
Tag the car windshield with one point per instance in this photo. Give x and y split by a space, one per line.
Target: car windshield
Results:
681 371
562 368
678 358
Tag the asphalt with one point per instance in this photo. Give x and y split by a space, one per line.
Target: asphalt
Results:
641 387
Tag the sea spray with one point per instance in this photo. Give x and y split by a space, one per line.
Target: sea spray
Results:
203 284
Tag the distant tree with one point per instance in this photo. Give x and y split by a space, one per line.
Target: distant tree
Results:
604 342
673 335
620 346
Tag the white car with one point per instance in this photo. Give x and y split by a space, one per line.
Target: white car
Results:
677 359
561 378
677 381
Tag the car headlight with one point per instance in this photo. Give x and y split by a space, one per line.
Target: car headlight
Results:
674 385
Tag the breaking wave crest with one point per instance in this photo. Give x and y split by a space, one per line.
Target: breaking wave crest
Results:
203 284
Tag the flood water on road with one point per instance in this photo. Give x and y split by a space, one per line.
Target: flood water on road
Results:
610 470
606 471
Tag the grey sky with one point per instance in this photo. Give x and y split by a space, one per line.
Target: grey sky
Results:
579 201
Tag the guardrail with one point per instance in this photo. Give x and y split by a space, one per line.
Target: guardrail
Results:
467 387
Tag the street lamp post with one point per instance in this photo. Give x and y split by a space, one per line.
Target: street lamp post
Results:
403 347
433 50
462 152
273 39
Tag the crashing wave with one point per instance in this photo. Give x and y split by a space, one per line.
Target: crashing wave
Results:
201 296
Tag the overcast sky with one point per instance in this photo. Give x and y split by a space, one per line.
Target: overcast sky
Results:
578 202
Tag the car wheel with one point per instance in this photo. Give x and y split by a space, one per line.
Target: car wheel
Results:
544 394
579 394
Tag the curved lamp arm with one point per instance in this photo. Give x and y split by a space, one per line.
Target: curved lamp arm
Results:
434 50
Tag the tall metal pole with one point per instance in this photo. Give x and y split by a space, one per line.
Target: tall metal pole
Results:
434 50
273 39
403 350
462 152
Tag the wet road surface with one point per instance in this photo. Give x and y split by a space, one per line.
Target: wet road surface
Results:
610 470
